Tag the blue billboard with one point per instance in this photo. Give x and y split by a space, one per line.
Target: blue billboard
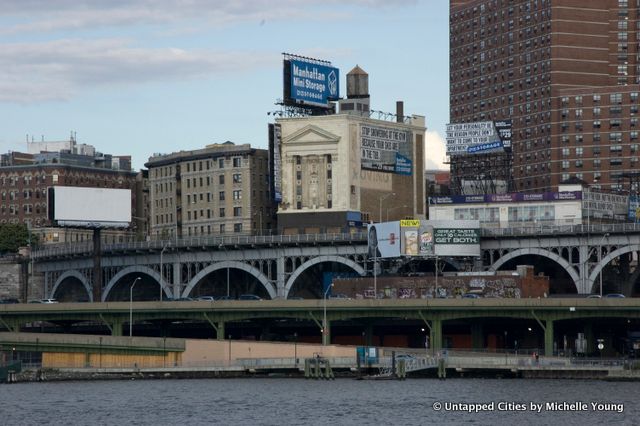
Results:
312 83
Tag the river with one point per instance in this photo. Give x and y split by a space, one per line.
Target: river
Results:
280 401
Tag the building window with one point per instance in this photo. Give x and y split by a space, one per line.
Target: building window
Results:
237 211
222 212
221 180
221 196
237 178
221 163
237 227
222 228
237 161
237 194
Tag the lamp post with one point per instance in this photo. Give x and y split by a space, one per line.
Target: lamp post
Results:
600 260
131 306
295 349
404 206
383 197
324 316
164 247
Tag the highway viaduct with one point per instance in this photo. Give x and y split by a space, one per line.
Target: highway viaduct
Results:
544 317
277 267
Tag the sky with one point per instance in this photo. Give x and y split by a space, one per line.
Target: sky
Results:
138 77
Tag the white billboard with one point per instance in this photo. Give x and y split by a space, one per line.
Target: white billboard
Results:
90 207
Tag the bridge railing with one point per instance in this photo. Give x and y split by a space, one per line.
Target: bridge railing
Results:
220 242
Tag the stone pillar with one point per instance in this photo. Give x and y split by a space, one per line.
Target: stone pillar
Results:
97 266
281 277
368 335
477 336
177 280
548 338
590 337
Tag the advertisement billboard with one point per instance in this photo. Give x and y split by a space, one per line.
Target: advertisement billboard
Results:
478 138
385 149
310 82
90 207
275 161
514 197
634 208
424 238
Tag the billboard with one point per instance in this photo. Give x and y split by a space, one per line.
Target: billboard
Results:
513 197
310 82
275 161
478 138
634 208
424 238
89 207
386 149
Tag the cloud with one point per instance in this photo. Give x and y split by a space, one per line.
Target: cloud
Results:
56 70
56 15
435 151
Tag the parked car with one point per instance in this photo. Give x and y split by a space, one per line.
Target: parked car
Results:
206 298
470 296
295 298
225 298
249 297
184 299
48 301
9 301
339 296
614 295
594 296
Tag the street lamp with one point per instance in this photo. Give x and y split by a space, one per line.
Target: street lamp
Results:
600 260
383 197
404 206
324 317
164 247
131 306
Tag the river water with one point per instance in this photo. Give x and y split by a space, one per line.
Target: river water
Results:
271 401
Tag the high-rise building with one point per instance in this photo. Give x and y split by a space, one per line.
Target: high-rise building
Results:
220 189
565 72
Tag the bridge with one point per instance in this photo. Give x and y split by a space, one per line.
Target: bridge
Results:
531 321
577 258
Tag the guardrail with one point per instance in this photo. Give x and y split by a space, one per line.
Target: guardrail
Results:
225 241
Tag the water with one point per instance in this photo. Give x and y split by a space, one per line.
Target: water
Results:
261 401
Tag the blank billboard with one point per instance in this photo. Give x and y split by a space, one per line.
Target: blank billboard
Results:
90 207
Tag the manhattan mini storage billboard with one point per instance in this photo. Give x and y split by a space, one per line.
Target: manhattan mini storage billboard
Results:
310 82
424 238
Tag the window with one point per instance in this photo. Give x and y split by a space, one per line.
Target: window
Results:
237 178
237 194
221 163
237 161
221 180
221 196
222 231
237 227
222 212
237 211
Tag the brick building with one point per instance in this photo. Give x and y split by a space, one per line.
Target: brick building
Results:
565 72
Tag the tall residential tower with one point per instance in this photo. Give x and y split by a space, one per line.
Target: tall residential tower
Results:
565 72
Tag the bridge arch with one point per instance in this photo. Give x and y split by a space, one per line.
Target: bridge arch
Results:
320 259
543 253
132 270
73 274
231 265
608 258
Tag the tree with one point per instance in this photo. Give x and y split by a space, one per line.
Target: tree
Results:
13 236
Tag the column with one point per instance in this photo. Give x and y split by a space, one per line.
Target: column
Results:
220 331
436 335
326 334
281 281
548 338
477 336
590 337
368 335
177 279
116 327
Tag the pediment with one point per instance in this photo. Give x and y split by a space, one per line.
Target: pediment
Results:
311 135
